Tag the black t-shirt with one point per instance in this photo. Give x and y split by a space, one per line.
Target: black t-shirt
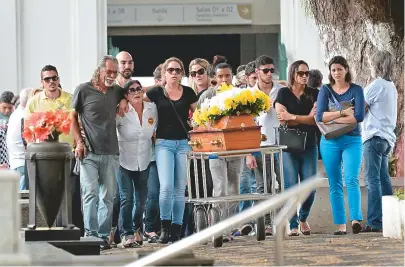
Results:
300 106
169 126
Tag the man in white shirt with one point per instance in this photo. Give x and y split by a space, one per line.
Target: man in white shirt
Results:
268 121
15 144
378 136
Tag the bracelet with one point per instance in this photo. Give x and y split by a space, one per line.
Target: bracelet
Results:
341 114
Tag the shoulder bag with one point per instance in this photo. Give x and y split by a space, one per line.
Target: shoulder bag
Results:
294 139
332 130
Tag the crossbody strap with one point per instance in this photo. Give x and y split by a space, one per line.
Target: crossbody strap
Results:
177 114
333 97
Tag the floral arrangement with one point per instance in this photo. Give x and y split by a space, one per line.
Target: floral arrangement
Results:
41 126
231 101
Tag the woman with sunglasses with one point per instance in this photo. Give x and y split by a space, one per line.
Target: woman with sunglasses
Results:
295 106
173 102
342 101
134 132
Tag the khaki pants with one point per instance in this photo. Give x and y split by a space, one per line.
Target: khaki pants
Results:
226 179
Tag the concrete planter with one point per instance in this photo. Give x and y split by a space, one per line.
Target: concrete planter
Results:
393 211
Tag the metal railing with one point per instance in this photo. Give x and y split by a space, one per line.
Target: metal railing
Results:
289 199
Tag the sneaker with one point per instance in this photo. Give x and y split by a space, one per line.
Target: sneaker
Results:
105 245
246 229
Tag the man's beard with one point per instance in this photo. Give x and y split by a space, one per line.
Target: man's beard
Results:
126 76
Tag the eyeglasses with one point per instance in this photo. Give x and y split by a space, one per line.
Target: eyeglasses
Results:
199 72
267 70
48 79
175 70
134 90
302 73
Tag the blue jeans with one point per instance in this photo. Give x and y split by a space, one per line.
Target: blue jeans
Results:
376 177
23 182
305 165
130 182
172 170
247 185
98 184
347 149
152 202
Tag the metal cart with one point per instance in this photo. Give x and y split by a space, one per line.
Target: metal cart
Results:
206 214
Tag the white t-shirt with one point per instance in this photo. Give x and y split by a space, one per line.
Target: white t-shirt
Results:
381 96
268 120
15 146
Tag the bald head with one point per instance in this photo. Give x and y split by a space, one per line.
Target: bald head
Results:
125 64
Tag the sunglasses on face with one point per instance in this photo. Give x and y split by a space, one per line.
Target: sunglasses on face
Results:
199 72
174 70
49 79
134 90
267 70
302 73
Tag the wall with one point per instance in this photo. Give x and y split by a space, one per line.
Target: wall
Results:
300 36
68 34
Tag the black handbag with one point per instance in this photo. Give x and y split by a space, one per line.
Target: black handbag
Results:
294 139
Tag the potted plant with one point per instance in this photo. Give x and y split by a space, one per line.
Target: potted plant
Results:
219 121
47 160
393 209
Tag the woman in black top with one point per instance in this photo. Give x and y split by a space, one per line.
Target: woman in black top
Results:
296 106
173 103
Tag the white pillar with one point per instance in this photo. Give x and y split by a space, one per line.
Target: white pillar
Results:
9 213
71 35
300 36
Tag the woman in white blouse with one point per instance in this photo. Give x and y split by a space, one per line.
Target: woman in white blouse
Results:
134 132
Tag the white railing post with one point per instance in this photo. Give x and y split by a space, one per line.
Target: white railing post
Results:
295 193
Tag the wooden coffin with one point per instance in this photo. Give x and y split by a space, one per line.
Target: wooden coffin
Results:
228 133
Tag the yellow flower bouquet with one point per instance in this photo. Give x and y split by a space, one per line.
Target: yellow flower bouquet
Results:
231 101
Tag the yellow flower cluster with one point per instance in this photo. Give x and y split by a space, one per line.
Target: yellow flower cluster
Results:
232 101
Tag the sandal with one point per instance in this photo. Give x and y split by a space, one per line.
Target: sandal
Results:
307 232
294 232
152 239
139 235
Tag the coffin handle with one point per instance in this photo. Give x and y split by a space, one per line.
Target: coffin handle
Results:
195 143
216 142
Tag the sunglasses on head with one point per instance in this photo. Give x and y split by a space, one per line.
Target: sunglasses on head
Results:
134 90
302 73
48 79
199 72
175 70
267 70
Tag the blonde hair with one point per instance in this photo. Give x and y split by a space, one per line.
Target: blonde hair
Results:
203 63
167 62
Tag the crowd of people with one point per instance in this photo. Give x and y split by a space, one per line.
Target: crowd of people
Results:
130 142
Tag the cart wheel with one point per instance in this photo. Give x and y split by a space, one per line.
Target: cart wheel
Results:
215 217
201 220
260 229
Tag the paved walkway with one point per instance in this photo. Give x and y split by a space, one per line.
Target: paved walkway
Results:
315 250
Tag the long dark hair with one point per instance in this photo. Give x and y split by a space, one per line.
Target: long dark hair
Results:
341 61
291 76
